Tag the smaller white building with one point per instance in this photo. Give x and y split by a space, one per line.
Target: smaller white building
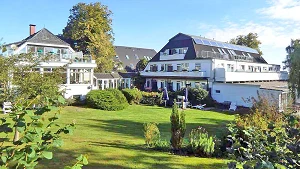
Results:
79 68
113 80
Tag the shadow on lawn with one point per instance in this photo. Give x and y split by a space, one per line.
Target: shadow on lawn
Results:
135 129
143 158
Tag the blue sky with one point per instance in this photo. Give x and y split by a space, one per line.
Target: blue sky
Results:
152 23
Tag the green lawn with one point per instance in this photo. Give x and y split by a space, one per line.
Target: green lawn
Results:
115 139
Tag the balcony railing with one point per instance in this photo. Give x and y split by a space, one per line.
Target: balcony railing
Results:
77 57
175 73
216 55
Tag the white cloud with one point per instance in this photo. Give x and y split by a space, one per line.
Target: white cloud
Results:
275 31
282 9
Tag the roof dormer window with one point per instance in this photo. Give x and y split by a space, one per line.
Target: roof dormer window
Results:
127 57
136 56
220 50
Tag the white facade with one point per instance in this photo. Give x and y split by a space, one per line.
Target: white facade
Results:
221 76
79 69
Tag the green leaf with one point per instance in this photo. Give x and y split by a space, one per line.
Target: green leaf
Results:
35 117
4 158
84 160
80 157
47 154
61 100
58 142
21 126
31 153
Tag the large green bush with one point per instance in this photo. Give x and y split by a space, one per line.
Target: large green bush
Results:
110 99
151 98
133 96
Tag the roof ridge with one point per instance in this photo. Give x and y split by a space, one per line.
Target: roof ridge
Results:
195 36
55 36
133 47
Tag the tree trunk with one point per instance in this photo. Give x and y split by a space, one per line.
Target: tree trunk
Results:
16 136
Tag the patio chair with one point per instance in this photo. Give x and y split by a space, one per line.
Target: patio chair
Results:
6 107
200 107
232 106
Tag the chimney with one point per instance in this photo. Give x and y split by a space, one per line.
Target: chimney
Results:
31 29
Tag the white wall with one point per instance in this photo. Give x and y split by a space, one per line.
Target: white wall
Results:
76 89
239 93
243 94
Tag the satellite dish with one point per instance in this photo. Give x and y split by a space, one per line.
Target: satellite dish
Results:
13 46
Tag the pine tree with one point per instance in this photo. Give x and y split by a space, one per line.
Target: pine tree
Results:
178 127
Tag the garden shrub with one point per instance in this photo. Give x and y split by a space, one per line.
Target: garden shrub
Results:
133 96
196 95
151 98
200 143
178 127
110 99
265 136
152 137
162 145
151 134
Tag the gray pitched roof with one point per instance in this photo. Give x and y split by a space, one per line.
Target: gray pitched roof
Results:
115 75
103 76
196 44
43 36
130 56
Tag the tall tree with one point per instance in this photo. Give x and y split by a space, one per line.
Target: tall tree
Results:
289 50
141 65
250 40
293 63
90 26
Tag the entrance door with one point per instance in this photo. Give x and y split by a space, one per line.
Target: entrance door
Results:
154 85
170 86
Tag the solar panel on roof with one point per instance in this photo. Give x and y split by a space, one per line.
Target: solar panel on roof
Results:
220 45
198 41
206 42
213 43
232 46
226 45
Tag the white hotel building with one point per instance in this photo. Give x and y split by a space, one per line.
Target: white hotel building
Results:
231 73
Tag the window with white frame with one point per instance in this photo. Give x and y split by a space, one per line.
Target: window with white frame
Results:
179 67
178 86
230 67
242 67
197 66
80 76
185 66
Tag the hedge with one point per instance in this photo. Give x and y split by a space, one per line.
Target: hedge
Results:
110 99
151 98
133 96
